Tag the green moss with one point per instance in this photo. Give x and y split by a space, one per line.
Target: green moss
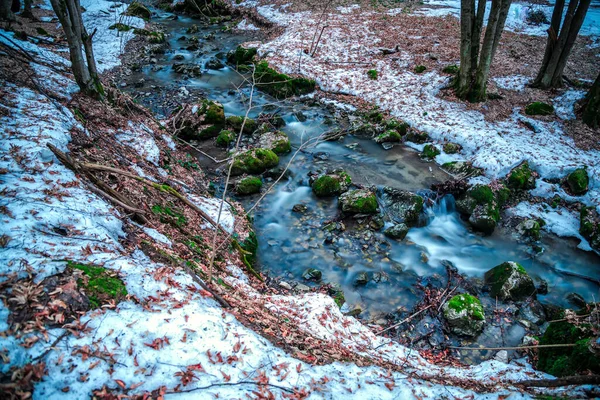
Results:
241 56
372 74
209 132
419 69
519 178
389 136
254 161
519 287
451 148
398 126
235 122
578 181
120 27
250 245
430 151
137 9
225 138
482 194
281 146
358 201
102 284
471 304
280 85
169 215
249 185
214 113
326 185
375 116
539 108
157 37
502 195
450 69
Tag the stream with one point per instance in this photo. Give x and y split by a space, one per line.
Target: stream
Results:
290 242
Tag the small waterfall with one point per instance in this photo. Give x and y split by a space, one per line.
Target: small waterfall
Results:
437 207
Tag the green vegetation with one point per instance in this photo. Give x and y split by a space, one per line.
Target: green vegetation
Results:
214 113
372 74
225 138
510 280
254 161
539 108
241 56
398 126
120 27
451 69
468 303
137 9
358 201
248 185
430 151
169 215
520 178
331 184
389 136
280 85
99 284
419 69
578 181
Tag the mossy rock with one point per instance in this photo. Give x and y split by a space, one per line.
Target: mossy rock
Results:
157 37
332 184
451 69
417 137
358 201
137 9
530 228
248 185
391 136
312 274
401 205
589 227
568 361
482 205
372 74
462 169
208 132
464 314
225 138
214 113
366 130
120 27
539 108
335 291
255 161
375 115
235 122
241 56
398 126
99 284
578 181
510 281
430 151
452 148
281 85
278 141
419 69
397 231
521 177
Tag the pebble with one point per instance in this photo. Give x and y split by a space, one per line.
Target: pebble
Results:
285 285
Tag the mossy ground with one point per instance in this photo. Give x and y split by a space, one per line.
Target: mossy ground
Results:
539 108
372 74
99 284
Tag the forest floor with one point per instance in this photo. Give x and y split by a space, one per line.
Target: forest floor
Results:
105 271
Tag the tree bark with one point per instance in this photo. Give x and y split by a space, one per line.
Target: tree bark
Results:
591 111
6 12
561 40
465 73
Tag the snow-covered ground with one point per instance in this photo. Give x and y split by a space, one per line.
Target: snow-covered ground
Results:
496 146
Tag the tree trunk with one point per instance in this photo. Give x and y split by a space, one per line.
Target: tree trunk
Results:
560 42
591 111
27 9
6 12
86 74
465 73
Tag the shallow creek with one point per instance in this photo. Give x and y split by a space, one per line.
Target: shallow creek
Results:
291 242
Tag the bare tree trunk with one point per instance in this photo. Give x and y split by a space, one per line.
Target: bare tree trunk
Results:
560 42
6 12
86 74
465 74
591 111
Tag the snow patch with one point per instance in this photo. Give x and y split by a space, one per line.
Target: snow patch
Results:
247 26
516 82
564 105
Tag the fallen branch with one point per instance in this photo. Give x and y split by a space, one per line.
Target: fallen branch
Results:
204 286
565 381
234 384
539 346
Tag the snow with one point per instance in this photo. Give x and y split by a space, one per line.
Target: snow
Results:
245 25
565 103
211 206
515 82
349 9
142 141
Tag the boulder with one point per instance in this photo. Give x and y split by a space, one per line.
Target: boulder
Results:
589 227
401 205
530 228
225 138
521 177
254 161
510 281
200 121
312 274
361 279
389 136
358 201
578 181
398 231
248 185
464 314
137 9
482 205
277 141
235 122
331 184
214 63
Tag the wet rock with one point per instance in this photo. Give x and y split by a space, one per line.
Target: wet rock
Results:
462 169
285 285
483 219
521 177
302 288
452 148
365 130
417 137
312 274
530 228
275 173
389 136
321 155
300 116
589 227
576 299
401 205
578 181
464 314
510 281
380 277
300 208
254 161
430 151
187 69
533 311
376 223
193 29
501 356
214 63
331 184
359 201
542 287
248 185
277 141
387 145
482 205
361 279
398 231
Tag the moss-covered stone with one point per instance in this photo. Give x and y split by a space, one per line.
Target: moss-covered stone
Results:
399 126
208 132
241 56
589 227
462 169
430 151
521 177
358 201
331 184
248 185
451 69
417 137
214 113
235 123
530 228
419 69
99 284
225 138
578 181
281 85
464 314
278 141
389 136
397 231
255 161
510 281
452 148
401 205
372 74
335 291
312 274
539 108
567 361
137 9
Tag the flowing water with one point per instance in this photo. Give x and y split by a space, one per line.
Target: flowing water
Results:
291 242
